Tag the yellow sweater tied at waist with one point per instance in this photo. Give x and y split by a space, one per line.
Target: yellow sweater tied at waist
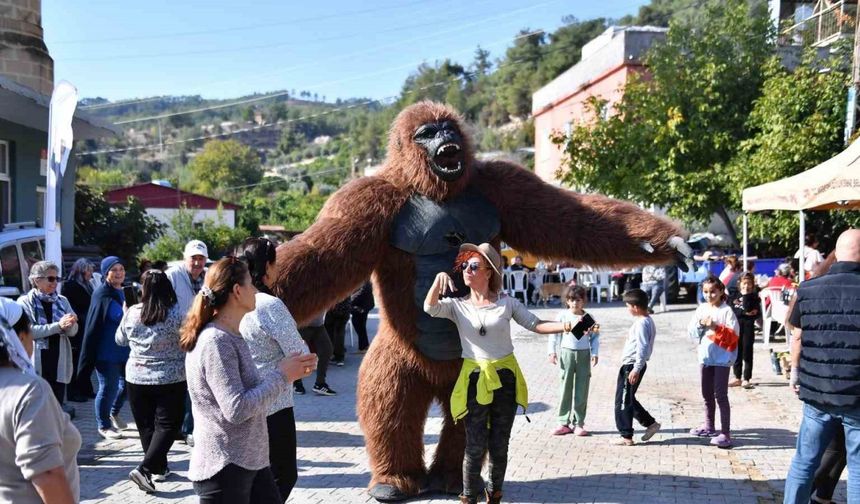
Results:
488 381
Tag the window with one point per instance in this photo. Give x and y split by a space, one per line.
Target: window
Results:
5 184
40 206
10 267
32 252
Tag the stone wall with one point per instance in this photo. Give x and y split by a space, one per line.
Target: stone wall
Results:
24 56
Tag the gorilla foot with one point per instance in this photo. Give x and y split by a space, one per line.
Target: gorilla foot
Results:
391 488
387 493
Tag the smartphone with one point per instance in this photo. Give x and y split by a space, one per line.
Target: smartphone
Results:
130 295
582 326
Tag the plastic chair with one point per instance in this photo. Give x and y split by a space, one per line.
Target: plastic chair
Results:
603 283
774 311
585 279
567 274
518 283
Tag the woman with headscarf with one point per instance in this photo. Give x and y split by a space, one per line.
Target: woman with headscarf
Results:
78 289
38 443
54 325
100 351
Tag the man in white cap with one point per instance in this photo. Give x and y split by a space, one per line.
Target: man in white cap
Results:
187 279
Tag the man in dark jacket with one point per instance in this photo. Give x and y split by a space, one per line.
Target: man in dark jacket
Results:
826 317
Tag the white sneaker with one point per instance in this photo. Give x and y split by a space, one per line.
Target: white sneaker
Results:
161 477
111 433
118 423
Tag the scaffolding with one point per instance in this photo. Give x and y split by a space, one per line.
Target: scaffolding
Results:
829 22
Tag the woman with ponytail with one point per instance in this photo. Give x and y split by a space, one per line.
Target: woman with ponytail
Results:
230 458
271 334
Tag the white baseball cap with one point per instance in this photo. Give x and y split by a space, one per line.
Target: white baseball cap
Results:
195 247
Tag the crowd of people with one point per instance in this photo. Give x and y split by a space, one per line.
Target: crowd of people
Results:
215 341
183 338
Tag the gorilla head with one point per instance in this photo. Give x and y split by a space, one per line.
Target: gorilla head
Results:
442 142
429 151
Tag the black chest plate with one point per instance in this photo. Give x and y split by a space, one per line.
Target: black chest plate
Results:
433 232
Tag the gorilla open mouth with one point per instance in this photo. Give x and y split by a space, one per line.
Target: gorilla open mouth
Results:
448 161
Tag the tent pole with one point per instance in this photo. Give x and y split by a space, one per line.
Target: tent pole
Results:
746 252
802 275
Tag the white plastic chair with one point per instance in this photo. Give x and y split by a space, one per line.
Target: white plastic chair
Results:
603 283
518 283
775 311
585 278
567 274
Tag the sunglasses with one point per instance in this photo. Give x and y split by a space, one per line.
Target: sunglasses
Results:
473 267
51 279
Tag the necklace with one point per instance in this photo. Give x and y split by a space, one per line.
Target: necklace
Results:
482 331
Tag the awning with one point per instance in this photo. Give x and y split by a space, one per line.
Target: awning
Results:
21 105
833 184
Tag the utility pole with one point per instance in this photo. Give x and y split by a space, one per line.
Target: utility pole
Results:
851 112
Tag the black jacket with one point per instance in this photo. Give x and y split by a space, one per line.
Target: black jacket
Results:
79 298
827 309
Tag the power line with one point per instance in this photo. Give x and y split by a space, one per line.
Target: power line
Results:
320 114
243 28
287 93
340 57
304 42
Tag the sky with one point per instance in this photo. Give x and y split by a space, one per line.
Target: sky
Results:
336 48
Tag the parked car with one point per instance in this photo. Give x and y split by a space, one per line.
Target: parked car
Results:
21 246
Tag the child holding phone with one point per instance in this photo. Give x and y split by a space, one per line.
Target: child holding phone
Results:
575 352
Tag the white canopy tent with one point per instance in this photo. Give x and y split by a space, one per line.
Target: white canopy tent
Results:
833 184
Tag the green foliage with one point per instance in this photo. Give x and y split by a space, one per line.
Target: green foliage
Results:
219 238
293 210
796 124
672 135
223 167
122 231
103 179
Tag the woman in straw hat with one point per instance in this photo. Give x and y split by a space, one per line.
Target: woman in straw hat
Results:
490 385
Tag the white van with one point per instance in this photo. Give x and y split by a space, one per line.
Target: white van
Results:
21 246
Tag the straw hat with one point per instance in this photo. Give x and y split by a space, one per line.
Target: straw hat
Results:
489 253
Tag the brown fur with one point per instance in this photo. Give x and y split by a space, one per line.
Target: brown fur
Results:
351 240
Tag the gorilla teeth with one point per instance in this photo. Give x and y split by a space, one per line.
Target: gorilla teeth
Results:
448 149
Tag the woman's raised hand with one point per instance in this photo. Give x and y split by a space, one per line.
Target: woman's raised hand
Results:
297 366
444 283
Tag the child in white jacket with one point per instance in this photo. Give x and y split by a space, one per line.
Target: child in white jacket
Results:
716 329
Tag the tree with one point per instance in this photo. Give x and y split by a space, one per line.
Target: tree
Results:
104 179
796 124
291 140
673 134
121 231
293 210
223 167
219 238
565 47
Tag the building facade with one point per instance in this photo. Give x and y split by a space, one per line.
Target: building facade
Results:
607 64
26 83
164 202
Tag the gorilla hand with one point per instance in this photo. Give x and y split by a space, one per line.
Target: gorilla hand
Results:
683 252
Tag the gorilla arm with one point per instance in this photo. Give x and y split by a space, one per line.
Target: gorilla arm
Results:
340 250
550 222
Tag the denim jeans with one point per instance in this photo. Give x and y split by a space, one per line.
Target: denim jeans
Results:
111 394
817 429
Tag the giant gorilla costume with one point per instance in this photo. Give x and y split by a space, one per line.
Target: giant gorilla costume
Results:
405 225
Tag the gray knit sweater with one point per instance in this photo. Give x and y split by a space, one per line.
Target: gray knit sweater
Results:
230 400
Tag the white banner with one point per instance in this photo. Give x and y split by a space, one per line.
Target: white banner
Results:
64 100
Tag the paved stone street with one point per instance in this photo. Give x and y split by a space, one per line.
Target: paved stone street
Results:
673 467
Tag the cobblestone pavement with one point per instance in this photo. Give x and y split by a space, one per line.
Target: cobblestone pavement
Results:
672 468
